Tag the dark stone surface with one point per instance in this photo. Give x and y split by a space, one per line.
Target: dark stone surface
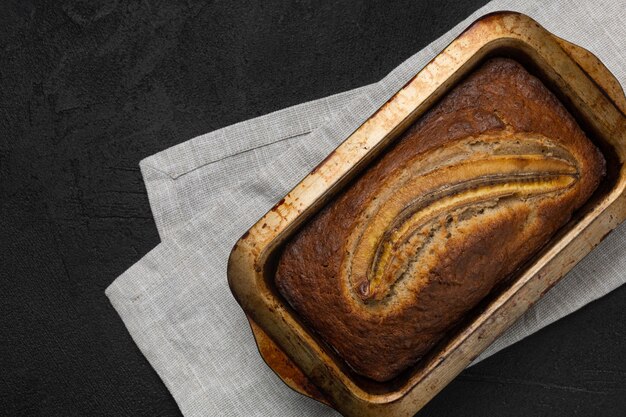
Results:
88 89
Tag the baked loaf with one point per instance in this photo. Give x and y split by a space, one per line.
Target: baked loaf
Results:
463 198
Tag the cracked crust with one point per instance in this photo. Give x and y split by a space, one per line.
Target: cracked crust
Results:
464 197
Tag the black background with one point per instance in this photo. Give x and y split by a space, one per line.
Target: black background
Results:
90 88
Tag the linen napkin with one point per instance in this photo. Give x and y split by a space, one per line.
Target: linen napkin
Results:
204 193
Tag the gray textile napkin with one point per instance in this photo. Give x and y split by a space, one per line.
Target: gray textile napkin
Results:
206 192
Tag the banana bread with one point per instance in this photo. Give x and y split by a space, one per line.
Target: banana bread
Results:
467 194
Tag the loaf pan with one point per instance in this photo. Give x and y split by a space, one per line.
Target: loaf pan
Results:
298 356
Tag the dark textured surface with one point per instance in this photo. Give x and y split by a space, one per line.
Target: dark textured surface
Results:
88 90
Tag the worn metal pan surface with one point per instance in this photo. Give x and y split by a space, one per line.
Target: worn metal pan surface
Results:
592 95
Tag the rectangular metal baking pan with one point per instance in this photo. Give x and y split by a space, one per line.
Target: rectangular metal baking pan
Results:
306 364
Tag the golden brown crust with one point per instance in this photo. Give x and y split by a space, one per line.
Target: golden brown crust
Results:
464 197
